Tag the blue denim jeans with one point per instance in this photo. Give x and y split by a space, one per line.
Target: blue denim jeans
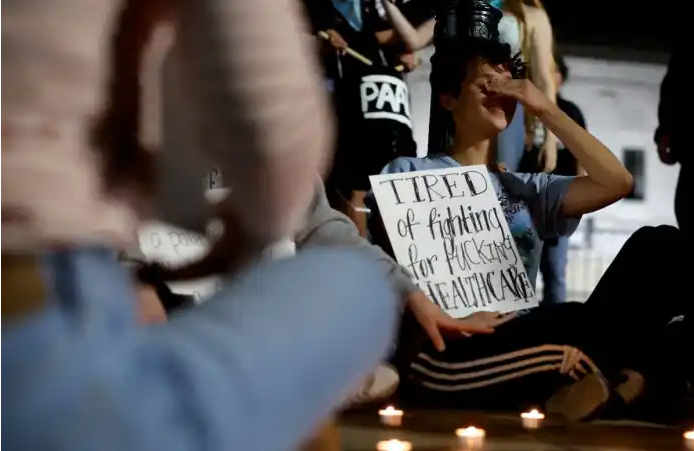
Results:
256 367
511 142
553 268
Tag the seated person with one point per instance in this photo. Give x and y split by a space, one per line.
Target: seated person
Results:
570 357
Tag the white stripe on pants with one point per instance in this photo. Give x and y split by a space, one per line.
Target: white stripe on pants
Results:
469 375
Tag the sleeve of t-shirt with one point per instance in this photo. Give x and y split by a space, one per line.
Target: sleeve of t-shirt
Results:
326 226
545 194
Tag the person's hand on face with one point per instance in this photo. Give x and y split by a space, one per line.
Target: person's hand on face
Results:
522 90
664 151
437 323
481 110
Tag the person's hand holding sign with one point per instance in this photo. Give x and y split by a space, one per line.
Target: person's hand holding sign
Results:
436 322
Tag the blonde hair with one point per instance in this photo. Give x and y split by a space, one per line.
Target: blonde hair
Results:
515 7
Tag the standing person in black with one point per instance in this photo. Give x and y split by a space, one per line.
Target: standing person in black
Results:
673 135
371 101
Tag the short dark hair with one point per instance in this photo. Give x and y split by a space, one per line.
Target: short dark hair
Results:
561 66
451 58
449 65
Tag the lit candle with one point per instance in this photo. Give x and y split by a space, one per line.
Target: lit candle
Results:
393 445
532 419
689 439
391 416
471 438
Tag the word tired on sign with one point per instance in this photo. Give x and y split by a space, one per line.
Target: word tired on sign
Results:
423 186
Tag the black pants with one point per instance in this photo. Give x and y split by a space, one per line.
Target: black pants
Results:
624 324
684 204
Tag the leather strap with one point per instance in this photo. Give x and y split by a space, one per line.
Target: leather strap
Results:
23 288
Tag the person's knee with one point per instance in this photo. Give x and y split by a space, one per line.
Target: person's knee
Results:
642 233
668 231
649 239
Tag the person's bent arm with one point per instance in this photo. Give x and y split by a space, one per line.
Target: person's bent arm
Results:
606 180
414 38
260 112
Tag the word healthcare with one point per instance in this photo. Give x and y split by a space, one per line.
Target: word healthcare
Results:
447 228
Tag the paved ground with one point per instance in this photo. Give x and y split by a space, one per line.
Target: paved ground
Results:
434 431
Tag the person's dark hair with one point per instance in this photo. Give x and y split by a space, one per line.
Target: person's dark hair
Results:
465 30
562 67
451 58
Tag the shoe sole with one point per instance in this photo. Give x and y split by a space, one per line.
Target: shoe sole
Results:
579 400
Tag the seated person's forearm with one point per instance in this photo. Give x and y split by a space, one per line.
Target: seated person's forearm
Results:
414 38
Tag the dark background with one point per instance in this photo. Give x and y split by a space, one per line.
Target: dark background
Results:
636 26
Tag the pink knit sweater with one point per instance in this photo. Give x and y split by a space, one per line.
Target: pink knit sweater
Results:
255 102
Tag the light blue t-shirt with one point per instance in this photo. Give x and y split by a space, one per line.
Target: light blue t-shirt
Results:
531 204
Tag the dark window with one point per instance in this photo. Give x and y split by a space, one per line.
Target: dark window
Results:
635 162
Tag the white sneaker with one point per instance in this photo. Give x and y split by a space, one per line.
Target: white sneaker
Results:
632 387
379 385
579 400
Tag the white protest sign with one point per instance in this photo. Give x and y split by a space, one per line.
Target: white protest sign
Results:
447 228
174 247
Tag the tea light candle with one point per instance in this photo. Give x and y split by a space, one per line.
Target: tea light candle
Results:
689 439
391 416
393 445
471 438
532 419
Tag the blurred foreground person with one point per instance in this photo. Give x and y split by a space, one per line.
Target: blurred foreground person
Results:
75 360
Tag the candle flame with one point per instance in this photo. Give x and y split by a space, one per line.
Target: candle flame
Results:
390 410
393 445
689 435
533 415
470 432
